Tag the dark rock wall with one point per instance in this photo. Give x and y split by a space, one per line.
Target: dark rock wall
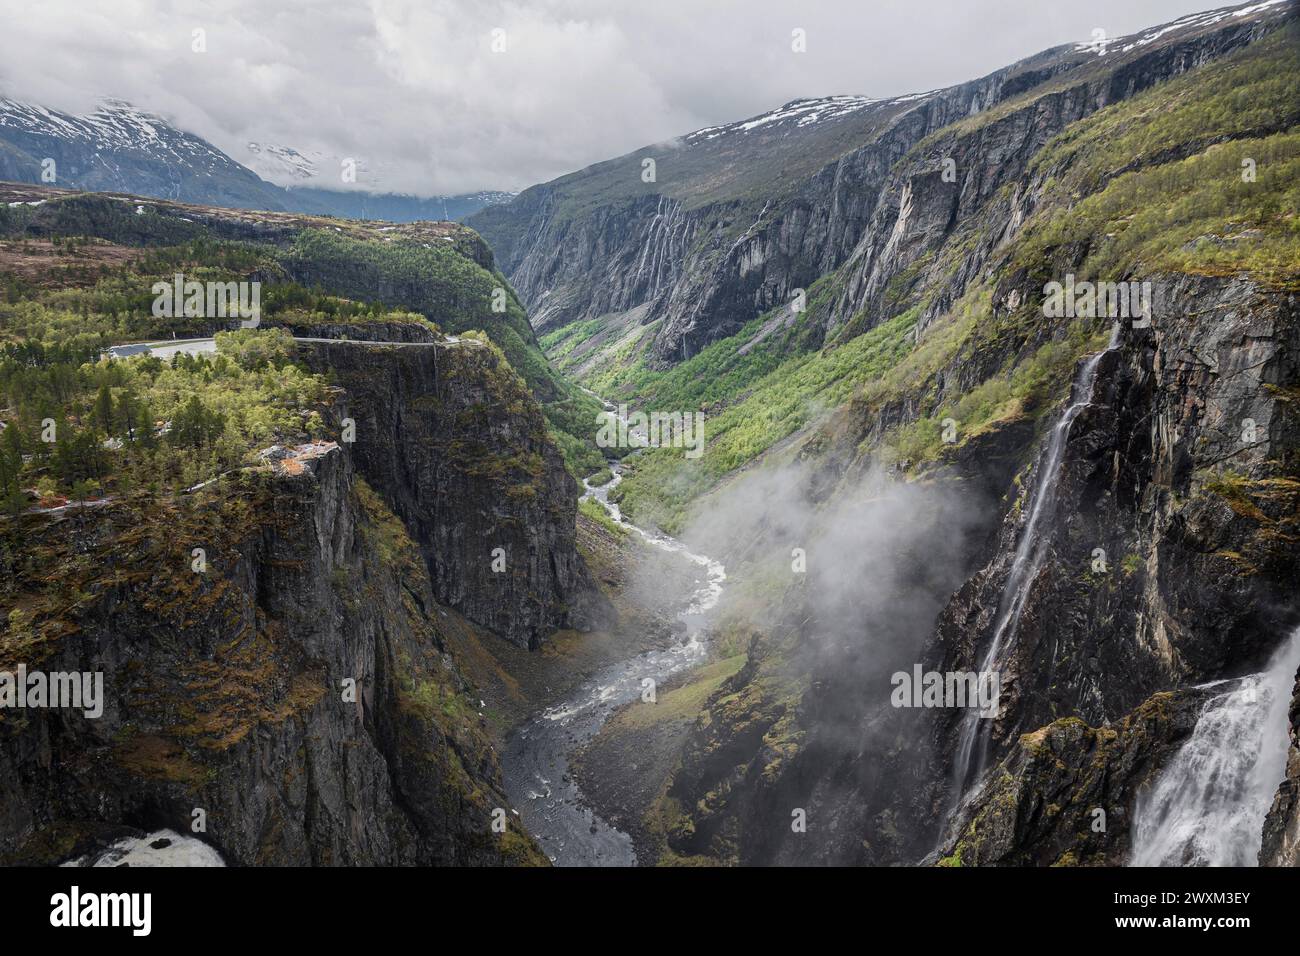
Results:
1281 846
225 690
450 437
706 267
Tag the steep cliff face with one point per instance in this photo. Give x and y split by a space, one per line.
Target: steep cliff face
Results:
706 248
920 211
1145 539
1165 561
1065 794
449 435
1281 844
1181 471
446 429
296 691
273 617
1194 510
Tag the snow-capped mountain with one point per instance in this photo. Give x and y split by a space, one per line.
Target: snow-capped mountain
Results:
1103 45
800 114
291 166
120 148
280 163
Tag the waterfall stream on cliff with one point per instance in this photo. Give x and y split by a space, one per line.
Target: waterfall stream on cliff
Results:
1208 806
1027 561
536 768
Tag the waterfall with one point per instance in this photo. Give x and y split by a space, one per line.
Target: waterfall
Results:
1028 560
664 246
1208 806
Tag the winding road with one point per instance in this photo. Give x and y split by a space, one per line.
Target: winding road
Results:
166 349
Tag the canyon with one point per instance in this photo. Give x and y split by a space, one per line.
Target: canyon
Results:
440 620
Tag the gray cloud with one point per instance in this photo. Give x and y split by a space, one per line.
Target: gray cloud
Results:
413 90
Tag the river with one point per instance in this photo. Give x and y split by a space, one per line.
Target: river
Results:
535 765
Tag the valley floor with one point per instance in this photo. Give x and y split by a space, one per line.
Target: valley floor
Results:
516 683
625 770
619 773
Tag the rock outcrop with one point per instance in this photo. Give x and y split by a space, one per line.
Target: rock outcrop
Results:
450 437
1281 846
1193 561
1065 794
291 703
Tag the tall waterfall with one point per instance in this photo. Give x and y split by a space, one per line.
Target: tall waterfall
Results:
1208 807
1027 561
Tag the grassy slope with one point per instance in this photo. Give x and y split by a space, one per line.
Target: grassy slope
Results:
1127 168
1150 184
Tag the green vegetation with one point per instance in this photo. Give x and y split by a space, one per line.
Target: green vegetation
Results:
87 427
662 483
678 703
1196 216
1199 175
76 276
301 308
1023 388
1253 93
440 282
594 511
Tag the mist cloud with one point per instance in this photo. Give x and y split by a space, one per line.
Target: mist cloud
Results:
880 557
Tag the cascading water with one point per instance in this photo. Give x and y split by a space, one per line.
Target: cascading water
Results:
1209 804
1026 563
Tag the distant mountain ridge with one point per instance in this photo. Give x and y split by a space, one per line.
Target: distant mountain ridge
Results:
738 216
120 148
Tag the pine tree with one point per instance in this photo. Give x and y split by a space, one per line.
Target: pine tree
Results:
11 458
104 409
128 413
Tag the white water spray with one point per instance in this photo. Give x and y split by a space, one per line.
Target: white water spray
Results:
1209 804
160 848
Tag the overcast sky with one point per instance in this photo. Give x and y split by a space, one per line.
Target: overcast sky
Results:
415 91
